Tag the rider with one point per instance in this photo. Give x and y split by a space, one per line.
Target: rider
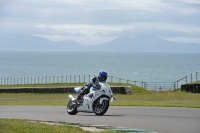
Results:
94 82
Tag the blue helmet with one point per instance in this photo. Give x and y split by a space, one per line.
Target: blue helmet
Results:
102 76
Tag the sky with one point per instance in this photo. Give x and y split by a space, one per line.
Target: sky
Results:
91 22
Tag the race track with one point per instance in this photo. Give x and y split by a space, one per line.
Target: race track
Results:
161 119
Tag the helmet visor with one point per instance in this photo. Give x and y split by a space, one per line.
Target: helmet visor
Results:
103 77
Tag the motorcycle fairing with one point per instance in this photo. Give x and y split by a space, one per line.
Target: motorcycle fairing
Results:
89 99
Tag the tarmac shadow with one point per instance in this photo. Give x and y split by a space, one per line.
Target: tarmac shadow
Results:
101 115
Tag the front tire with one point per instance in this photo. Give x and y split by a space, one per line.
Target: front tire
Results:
100 109
71 109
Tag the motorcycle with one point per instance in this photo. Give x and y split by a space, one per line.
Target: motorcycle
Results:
96 101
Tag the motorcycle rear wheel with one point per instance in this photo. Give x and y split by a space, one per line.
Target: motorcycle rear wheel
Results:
71 109
100 109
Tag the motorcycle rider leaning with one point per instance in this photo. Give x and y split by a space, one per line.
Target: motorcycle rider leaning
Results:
94 82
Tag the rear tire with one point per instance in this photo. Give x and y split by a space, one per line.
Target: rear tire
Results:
100 109
71 109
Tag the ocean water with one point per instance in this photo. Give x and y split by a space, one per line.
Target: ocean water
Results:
148 67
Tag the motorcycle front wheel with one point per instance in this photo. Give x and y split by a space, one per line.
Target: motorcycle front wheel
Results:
71 108
100 109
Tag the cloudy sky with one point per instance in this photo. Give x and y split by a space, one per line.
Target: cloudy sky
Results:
92 22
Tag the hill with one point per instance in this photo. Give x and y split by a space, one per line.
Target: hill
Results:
147 44
136 44
22 41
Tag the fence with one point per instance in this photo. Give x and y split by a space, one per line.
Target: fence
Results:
43 80
187 79
159 86
61 79
156 86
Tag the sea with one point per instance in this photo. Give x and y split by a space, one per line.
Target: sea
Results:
135 66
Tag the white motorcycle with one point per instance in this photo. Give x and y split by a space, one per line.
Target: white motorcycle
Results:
96 101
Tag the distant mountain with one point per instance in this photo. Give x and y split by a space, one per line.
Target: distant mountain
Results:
147 44
136 44
21 41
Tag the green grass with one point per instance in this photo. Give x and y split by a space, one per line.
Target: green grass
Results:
197 82
159 99
24 126
139 97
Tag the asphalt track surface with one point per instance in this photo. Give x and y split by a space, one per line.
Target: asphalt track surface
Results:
161 119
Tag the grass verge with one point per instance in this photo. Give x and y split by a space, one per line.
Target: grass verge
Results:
24 126
162 99
139 97
196 82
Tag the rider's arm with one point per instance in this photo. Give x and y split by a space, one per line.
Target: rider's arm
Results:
91 82
95 83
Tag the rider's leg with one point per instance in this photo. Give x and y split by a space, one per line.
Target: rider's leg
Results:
85 90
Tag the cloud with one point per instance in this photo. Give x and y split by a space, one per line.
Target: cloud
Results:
90 21
162 30
84 34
